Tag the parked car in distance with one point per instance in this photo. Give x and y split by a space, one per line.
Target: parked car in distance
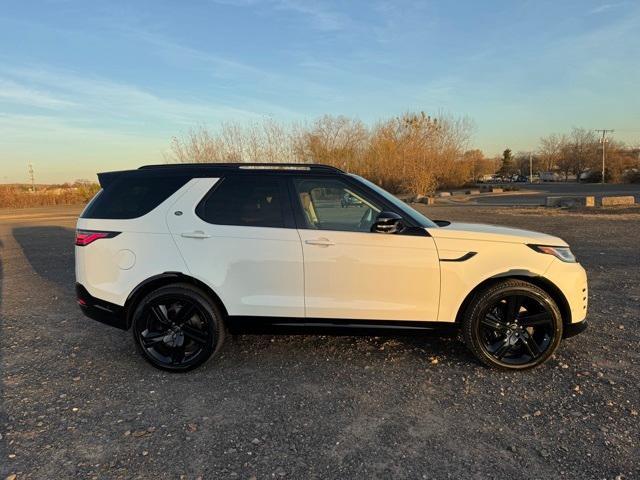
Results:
488 178
181 254
593 176
585 175
548 176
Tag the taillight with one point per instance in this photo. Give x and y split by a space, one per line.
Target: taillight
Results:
85 237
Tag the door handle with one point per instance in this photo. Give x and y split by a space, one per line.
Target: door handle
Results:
196 234
321 242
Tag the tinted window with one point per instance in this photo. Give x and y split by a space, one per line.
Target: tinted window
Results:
330 204
132 196
244 201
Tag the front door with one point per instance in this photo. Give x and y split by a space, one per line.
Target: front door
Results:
352 273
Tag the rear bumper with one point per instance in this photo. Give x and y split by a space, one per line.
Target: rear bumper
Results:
574 329
99 310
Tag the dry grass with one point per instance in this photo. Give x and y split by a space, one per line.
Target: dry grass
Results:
20 196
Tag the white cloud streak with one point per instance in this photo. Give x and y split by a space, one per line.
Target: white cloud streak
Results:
317 15
15 93
605 7
110 100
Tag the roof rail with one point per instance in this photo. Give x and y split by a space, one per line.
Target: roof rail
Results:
316 167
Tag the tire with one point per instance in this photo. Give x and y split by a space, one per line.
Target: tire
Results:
512 325
177 327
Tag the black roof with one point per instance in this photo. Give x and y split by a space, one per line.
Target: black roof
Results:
207 169
246 166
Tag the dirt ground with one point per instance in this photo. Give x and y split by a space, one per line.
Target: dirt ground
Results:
77 401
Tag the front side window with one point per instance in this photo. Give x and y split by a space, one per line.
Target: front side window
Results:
244 201
414 215
331 204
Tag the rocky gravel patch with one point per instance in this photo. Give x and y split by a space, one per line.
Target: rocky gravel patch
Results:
79 402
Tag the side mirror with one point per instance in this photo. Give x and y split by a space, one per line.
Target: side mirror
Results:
388 222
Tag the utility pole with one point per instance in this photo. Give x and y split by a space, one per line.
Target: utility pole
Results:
31 175
475 179
604 140
530 167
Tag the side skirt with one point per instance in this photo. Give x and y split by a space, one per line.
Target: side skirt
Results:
328 326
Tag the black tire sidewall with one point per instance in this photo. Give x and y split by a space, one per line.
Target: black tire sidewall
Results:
214 325
473 317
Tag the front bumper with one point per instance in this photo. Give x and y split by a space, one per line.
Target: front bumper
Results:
571 279
573 329
100 310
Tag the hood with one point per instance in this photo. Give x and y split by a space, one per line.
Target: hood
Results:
493 233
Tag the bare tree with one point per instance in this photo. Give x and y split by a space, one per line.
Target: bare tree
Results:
477 163
412 152
551 151
197 146
337 141
264 141
583 147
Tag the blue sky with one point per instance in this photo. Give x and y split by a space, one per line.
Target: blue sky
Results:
94 86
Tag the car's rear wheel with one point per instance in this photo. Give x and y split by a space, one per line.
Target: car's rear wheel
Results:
177 327
512 325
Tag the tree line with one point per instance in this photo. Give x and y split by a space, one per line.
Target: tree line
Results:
410 153
575 153
23 196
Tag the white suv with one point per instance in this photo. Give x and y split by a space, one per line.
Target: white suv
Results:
183 253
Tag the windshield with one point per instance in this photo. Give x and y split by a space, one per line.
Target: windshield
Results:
414 215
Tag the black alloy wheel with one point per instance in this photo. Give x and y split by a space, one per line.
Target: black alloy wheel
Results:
177 328
513 325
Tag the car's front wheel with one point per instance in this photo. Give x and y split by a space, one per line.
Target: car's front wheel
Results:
512 324
177 327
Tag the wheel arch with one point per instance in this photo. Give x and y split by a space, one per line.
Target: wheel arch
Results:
161 280
537 280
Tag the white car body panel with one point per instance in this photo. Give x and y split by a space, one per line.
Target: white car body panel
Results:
480 232
370 276
571 279
500 252
145 240
255 271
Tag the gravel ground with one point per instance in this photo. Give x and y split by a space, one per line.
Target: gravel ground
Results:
79 402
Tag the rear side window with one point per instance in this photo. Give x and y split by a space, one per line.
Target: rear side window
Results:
132 197
244 201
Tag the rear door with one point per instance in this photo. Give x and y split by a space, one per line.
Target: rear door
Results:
352 273
237 235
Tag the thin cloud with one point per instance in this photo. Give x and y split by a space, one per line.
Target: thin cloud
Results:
18 127
317 15
606 6
322 18
221 67
13 92
125 102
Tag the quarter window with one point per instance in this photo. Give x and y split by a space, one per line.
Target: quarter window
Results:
133 196
244 201
330 204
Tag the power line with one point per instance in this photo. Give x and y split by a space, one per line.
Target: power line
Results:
604 140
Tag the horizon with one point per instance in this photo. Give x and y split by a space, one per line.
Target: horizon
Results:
89 88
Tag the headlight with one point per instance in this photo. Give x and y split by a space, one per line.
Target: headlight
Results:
563 253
